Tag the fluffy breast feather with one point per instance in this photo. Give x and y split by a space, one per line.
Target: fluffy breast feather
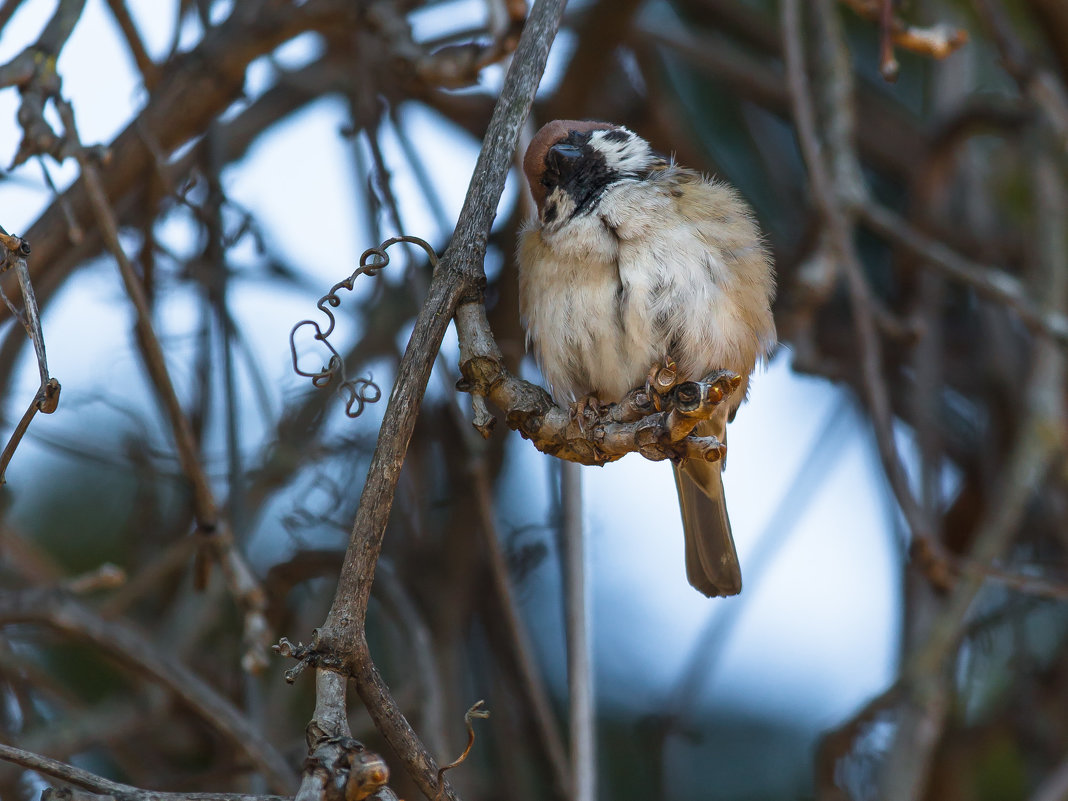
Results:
569 299
672 264
695 271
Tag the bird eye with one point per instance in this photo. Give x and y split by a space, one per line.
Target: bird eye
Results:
546 182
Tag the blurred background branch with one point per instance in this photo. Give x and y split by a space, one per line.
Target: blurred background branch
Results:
897 480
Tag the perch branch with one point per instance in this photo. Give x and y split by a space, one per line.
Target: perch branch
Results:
460 277
627 427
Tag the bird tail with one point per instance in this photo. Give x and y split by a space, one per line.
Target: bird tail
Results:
711 560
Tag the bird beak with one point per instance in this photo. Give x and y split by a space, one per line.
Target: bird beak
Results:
566 152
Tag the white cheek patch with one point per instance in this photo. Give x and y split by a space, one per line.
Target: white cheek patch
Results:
623 151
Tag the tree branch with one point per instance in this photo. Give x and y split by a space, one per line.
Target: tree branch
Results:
101 786
459 277
59 611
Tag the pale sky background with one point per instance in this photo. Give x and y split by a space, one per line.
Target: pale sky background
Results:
814 633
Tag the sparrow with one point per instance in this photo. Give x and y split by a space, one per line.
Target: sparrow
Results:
634 261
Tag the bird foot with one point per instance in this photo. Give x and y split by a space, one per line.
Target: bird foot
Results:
662 378
586 412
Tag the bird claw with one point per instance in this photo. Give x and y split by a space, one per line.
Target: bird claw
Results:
662 378
582 409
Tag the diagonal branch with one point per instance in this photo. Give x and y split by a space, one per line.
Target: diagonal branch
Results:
459 278
145 65
217 534
193 89
15 251
78 777
989 282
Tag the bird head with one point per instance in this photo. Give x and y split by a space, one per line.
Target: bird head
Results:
570 164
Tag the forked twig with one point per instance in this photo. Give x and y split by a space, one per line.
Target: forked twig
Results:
937 41
15 251
215 532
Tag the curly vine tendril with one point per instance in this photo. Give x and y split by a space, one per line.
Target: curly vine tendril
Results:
358 391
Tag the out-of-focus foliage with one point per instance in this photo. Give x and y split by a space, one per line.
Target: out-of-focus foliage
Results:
964 163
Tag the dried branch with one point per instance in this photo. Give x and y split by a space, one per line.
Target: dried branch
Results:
989 282
1037 83
414 630
477 710
459 278
1040 441
145 65
452 66
338 767
517 645
77 777
1033 584
215 533
518 640
630 426
15 250
829 197
7 10
938 41
33 71
193 89
61 612
837 743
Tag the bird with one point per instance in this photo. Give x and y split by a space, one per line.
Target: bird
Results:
632 261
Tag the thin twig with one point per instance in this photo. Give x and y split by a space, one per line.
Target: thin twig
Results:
1041 439
518 643
7 11
839 227
46 400
240 579
529 678
989 282
1039 84
477 710
61 612
416 633
938 41
70 774
888 65
145 65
